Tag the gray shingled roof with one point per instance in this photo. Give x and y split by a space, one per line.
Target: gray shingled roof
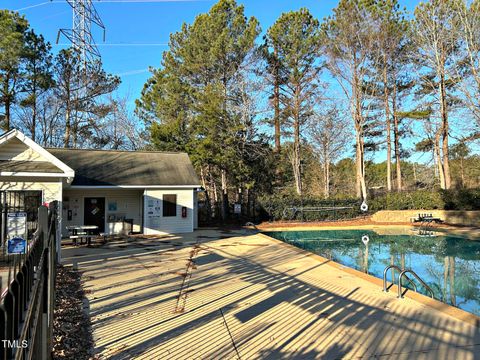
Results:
28 166
139 168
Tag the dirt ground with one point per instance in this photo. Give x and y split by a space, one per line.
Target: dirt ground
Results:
72 335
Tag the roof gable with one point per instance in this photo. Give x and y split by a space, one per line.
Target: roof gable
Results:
15 150
21 156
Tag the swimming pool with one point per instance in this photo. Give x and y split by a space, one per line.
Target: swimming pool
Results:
449 265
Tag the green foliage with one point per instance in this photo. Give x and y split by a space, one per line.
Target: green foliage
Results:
461 199
459 151
295 39
343 181
38 77
38 66
200 101
13 29
187 103
424 145
455 199
407 201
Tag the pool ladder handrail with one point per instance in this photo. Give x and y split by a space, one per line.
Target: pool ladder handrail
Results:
395 267
424 284
403 273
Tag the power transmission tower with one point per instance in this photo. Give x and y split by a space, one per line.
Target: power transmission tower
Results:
84 17
83 43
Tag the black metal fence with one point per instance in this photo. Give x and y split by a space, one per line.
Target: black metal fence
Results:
28 297
310 209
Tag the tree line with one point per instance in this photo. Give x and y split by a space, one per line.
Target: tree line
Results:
56 99
303 108
370 74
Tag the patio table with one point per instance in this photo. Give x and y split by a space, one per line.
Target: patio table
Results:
82 231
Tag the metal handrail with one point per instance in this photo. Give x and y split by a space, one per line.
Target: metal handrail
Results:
424 284
385 288
251 224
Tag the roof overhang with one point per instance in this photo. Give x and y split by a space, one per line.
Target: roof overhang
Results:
67 171
35 174
134 186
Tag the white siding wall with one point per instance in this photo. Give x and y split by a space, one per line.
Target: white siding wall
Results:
14 149
128 201
51 190
50 187
169 225
195 209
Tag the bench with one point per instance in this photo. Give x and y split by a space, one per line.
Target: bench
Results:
104 235
82 232
81 236
428 218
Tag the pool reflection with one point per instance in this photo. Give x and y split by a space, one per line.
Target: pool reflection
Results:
449 265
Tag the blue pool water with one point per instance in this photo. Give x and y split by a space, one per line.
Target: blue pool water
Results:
449 265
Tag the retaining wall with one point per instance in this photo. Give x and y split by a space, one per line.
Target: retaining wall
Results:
454 217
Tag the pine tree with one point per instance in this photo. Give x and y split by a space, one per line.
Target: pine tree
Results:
38 75
194 96
13 28
392 41
349 37
296 38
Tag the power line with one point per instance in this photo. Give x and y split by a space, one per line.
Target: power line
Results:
133 72
111 1
33 6
146 1
120 44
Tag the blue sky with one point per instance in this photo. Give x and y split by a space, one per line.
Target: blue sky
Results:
138 31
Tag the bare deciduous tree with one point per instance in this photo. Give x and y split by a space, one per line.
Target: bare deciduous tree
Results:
436 43
329 132
466 29
349 43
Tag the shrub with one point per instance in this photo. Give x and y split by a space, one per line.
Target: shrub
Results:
415 200
461 199
453 199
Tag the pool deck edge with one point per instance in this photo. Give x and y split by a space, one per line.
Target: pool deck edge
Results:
437 305
470 233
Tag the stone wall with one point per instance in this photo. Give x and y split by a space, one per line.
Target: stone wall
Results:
468 218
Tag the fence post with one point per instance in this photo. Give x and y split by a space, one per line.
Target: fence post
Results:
43 224
43 232
3 221
54 240
58 239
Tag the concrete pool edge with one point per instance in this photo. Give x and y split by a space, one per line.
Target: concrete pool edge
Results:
465 232
437 305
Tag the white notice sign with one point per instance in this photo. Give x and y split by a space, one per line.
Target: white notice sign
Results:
153 214
237 208
17 225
